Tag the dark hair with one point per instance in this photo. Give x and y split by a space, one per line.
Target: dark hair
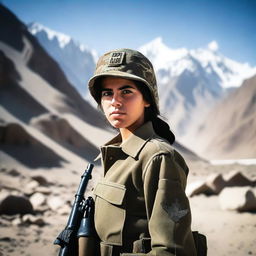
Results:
151 113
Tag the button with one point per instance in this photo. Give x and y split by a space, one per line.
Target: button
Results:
110 158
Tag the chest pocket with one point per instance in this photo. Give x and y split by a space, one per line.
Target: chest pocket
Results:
109 211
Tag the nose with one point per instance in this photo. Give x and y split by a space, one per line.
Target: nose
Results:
116 101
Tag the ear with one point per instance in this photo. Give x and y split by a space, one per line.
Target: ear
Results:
147 105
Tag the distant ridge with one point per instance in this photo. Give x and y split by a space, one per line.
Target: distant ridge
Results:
229 130
33 90
191 82
76 60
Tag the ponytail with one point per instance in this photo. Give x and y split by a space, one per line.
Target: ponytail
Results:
163 130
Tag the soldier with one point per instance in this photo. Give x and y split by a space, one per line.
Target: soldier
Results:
140 203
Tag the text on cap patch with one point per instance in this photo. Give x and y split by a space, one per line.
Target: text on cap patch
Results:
116 59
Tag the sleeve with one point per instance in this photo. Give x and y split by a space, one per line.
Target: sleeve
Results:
168 207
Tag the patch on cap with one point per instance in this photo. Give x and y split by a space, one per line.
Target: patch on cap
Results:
116 59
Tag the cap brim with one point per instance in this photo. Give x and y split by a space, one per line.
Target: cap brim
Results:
121 74
115 73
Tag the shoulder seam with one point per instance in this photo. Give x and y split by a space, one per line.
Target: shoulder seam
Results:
158 154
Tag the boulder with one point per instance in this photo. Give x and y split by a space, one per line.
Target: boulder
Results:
55 203
43 190
238 199
31 219
216 183
40 179
17 222
237 179
37 199
198 187
31 187
3 194
14 173
10 183
12 204
15 134
59 129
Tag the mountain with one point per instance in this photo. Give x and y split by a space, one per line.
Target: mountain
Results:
76 60
229 129
191 82
44 121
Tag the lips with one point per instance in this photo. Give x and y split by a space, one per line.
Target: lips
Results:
116 112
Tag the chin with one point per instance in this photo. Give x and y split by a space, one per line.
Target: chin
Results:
117 124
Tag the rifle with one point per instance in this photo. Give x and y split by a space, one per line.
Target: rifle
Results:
80 223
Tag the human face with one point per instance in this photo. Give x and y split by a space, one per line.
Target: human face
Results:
122 103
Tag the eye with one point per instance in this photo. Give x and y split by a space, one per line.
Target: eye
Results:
106 93
126 91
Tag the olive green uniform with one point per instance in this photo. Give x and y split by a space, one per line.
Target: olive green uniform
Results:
142 196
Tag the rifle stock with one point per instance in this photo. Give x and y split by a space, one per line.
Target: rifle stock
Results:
68 238
86 233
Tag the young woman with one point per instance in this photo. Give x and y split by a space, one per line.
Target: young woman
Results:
140 204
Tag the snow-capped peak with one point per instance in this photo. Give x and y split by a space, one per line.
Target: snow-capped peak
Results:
161 53
230 73
213 46
63 39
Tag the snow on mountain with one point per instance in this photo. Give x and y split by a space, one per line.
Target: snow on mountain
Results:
62 39
191 82
231 73
76 60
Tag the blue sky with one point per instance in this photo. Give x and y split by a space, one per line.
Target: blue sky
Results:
104 25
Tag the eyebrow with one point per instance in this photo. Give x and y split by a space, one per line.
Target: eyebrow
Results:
121 88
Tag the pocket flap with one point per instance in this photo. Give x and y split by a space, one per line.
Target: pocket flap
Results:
111 192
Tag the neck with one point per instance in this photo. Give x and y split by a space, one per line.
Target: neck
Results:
125 133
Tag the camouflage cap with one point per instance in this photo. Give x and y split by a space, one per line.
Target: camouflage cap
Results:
128 64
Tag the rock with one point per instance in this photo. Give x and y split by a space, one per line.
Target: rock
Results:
10 183
237 199
40 179
3 169
31 187
216 183
15 204
16 222
42 208
14 173
55 203
3 194
31 219
10 217
37 199
15 134
4 222
43 190
198 187
237 179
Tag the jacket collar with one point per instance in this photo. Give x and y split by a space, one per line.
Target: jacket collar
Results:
133 145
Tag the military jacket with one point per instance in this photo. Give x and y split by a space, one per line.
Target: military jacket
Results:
142 195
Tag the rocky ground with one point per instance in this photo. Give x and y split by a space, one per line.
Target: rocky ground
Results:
50 194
